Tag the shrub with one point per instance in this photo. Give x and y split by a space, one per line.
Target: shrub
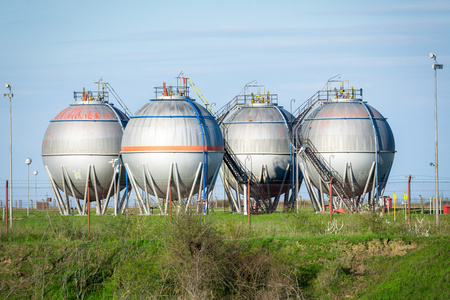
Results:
202 265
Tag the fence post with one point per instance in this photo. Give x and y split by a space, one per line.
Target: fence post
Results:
409 201
421 203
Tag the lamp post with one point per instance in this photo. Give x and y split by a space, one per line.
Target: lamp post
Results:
291 105
35 186
10 95
28 162
436 66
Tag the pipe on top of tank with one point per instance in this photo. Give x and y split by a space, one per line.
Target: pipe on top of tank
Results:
165 89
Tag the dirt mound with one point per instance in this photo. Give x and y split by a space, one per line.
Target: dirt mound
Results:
355 256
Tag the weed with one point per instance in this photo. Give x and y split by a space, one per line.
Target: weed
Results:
419 228
333 227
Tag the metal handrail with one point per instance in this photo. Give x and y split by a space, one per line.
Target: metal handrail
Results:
226 109
329 174
242 174
119 100
332 172
305 105
91 96
172 90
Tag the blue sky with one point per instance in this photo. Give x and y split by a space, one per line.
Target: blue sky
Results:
51 48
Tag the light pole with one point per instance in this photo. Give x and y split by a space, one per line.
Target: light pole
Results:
35 186
436 66
10 95
28 162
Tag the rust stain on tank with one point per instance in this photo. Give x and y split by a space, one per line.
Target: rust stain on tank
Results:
84 113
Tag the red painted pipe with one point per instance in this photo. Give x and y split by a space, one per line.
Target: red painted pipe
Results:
170 198
164 88
331 199
89 206
409 201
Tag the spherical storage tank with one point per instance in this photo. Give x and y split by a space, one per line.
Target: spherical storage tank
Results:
84 136
354 138
258 134
172 140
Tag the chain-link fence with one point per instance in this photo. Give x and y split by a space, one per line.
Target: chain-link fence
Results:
38 190
422 190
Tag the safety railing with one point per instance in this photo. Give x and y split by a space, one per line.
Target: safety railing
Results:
91 96
327 173
171 90
241 174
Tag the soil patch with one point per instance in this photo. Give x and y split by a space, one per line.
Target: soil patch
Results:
354 257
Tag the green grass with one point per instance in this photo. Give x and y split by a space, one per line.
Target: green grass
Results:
283 255
424 273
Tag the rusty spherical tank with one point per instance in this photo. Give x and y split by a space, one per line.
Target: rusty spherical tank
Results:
259 136
352 137
170 137
87 134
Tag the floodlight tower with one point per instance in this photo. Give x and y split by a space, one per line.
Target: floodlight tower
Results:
28 162
35 187
436 66
10 95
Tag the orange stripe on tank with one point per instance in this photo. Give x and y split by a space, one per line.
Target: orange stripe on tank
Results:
171 148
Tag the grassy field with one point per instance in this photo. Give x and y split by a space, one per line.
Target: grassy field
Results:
283 255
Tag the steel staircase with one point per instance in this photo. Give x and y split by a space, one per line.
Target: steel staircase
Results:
327 173
236 168
242 175
223 112
301 112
